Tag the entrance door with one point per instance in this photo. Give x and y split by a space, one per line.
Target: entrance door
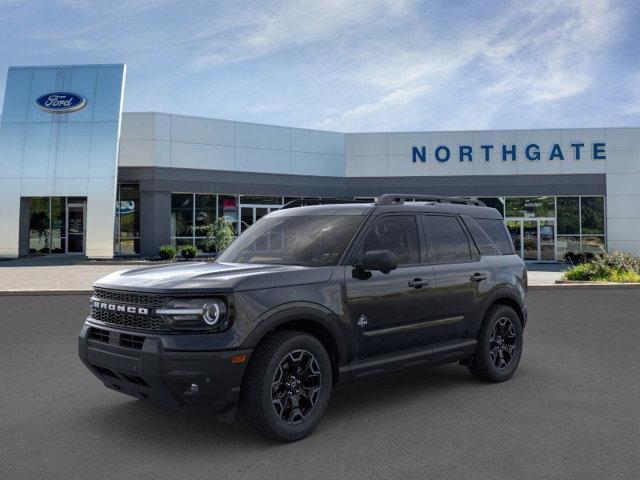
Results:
534 239
75 227
250 214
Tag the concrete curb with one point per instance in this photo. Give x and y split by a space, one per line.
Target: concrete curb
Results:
584 286
21 293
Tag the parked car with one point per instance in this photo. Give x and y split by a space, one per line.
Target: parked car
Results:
310 297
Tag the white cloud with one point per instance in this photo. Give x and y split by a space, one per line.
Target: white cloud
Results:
534 53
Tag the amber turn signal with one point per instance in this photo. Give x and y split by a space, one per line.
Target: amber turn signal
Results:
237 359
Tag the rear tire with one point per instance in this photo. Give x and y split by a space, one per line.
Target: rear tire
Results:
499 346
287 386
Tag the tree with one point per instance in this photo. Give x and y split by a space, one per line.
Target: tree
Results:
219 234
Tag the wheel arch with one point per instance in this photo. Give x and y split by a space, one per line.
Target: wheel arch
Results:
313 319
508 298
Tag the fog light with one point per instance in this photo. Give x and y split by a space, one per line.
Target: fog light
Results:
193 388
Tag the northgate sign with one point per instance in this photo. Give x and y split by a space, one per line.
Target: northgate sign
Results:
532 152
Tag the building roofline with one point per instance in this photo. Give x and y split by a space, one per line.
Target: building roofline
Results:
377 132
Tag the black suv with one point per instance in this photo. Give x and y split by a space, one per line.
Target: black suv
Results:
310 297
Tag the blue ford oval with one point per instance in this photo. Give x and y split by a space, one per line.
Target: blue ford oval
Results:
61 102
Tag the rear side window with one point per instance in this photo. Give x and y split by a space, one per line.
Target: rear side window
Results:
396 233
446 239
497 232
484 243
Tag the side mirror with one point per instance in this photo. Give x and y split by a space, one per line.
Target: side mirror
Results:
382 260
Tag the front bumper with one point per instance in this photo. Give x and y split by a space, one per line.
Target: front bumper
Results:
138 365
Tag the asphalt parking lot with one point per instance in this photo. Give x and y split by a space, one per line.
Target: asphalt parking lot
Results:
571 411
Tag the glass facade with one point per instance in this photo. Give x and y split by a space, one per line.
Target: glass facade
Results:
57 225
190 211
127 226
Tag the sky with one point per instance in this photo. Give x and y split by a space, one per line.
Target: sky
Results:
351 65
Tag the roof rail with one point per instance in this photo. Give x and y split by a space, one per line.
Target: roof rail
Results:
400 198
305 202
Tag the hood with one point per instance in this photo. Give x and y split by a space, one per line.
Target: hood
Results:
210 277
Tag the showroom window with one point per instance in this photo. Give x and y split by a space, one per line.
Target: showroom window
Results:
530 207
127 226
580 225
188 212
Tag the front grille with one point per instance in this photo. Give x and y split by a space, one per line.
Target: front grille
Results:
129 320
128 298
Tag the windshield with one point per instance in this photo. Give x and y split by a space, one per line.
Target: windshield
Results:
314 240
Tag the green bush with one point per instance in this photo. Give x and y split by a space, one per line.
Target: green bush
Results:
218 235
615 266
167 252
188 251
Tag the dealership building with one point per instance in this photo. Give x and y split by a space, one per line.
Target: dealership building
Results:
80 176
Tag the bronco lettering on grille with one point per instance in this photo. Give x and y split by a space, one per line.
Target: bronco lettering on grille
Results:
119 308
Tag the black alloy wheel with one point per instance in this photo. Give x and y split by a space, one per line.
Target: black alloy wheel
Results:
287 385
502 342
499 345
296 385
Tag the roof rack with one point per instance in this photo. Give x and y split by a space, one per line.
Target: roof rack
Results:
305 202
400 198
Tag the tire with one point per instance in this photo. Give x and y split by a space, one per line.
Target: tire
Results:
270 392
499 346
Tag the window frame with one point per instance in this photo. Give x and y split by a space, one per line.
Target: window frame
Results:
353 250
474 252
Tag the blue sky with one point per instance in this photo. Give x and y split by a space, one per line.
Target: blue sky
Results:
347 65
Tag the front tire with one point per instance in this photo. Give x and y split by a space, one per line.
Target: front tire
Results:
499 345
287 387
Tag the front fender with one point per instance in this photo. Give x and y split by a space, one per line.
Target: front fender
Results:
301 311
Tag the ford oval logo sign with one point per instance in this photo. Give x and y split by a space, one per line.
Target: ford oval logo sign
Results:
61 102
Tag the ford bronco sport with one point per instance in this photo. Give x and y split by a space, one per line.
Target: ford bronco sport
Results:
310 297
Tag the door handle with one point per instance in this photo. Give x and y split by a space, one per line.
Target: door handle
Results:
418 283
478 277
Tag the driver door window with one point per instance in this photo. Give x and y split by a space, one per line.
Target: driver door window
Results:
396 233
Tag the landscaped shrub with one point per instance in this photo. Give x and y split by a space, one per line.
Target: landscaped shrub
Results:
614 266
188 251
167 252
578 258
218 235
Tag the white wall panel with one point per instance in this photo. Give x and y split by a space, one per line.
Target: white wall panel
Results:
623 161
400 143
303 163
401 165
366 166
263 160
201 130
262 136
623 139
623 206
139 126
198 155
313 141
140 153
366 144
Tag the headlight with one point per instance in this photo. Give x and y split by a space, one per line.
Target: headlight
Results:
195 314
